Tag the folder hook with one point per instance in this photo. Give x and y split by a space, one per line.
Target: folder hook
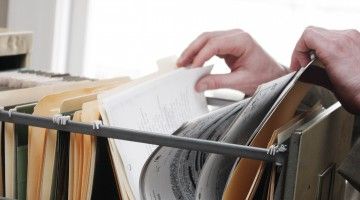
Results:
60 120
11 111
97 124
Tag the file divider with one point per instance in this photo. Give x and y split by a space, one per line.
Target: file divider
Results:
147 137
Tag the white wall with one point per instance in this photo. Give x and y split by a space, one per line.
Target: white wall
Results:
125 37
105 38
3 12
59 27
37 16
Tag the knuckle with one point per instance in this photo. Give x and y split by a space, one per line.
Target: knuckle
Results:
313 28
246 36
354 33
204 35
310 27
347 40
214 84
216 41
237 30
344 40
308 32
214 45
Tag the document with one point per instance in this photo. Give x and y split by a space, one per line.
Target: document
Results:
160 106
217 168
173 173
246 175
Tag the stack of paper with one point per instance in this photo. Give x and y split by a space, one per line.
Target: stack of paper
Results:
35 160
169 105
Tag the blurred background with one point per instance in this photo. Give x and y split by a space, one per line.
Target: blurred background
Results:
107 38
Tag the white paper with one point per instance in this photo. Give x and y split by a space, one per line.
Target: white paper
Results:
159 106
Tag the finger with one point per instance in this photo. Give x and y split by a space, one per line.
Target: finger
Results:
188 55
184 62
318 76
236 81
213 81
311 39
219 46
190 52
299 59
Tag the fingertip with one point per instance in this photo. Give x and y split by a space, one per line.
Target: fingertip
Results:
298 60
294 65
201 86
183 62
179 63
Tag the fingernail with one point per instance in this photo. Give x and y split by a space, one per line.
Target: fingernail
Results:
179 61
181 58
201 87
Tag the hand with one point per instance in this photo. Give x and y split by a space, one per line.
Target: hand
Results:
339 51
250 65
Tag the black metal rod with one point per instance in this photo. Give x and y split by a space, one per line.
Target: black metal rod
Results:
146 137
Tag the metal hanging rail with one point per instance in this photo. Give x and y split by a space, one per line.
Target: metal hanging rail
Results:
146 137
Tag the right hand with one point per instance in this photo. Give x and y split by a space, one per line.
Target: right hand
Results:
339 51
250 65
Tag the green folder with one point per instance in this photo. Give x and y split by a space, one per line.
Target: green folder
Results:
21 141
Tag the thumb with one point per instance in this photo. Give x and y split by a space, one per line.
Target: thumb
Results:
212 81
298 60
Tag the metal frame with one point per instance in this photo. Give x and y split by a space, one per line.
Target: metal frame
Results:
146 137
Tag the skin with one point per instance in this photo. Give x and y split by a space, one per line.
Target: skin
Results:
250 65
338 50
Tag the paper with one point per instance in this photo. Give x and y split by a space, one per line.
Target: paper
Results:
158 106
15 135
264 127
90 114
42 142
172 173
245 177
26 95
217 168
